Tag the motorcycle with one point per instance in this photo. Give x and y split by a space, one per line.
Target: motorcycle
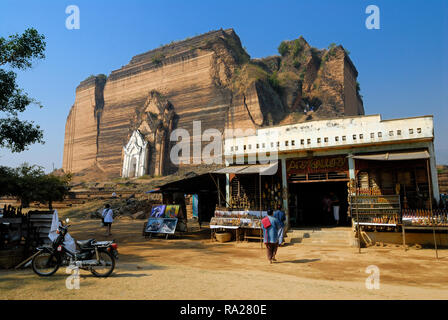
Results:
98 257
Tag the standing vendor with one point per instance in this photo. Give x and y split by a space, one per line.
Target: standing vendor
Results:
281 217
335 203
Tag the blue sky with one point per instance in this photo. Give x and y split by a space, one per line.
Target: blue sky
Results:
403 67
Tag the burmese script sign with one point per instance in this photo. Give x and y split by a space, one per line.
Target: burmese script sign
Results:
317 165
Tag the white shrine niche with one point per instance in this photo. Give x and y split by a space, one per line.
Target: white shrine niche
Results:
135 156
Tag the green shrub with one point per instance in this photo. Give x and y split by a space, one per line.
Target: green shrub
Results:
157 59
332 46
296 48
283 48
274 82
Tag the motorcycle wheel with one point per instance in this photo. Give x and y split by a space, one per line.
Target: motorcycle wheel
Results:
45 264
107 268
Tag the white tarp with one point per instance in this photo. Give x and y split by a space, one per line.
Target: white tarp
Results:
394 156
69 242
262 169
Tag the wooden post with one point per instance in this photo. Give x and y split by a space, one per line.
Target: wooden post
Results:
404 235
285 194
430 207
259 189
26 260
357 215
219 192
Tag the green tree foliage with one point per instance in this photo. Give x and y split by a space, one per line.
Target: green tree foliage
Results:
7 181
283 48
30 183
52 188
18 52
26 187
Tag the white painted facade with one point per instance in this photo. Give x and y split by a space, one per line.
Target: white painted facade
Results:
335 133
135 156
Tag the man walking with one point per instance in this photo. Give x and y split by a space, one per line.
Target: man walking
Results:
270 227
281 217
108 218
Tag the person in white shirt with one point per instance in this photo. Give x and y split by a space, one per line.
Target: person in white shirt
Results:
108 218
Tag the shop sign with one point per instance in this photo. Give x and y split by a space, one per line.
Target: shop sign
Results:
317 165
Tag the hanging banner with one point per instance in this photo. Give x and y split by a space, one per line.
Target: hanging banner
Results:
195 206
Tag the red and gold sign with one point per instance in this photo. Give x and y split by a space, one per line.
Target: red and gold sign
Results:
317 165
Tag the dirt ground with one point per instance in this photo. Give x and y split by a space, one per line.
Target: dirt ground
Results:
193 267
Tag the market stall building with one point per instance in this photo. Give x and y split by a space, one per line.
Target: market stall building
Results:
335 159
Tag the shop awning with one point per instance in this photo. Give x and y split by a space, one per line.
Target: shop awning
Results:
394 156
264 169
157 190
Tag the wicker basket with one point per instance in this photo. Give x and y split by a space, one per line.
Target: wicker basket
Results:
223 236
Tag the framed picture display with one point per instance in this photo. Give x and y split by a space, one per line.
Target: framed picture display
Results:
161 225
158 211
171 211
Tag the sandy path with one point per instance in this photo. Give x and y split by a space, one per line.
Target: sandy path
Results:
194 268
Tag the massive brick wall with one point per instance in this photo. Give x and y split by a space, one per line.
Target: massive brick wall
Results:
197 77
80 148
186 84
352 100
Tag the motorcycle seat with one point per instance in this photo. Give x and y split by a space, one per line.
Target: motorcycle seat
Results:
85 243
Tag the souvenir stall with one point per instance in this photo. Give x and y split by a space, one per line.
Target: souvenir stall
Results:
253 189
428 219
392 192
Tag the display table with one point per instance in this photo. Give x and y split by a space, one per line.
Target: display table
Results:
414 227
241 221
257 237
239 231
215 228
